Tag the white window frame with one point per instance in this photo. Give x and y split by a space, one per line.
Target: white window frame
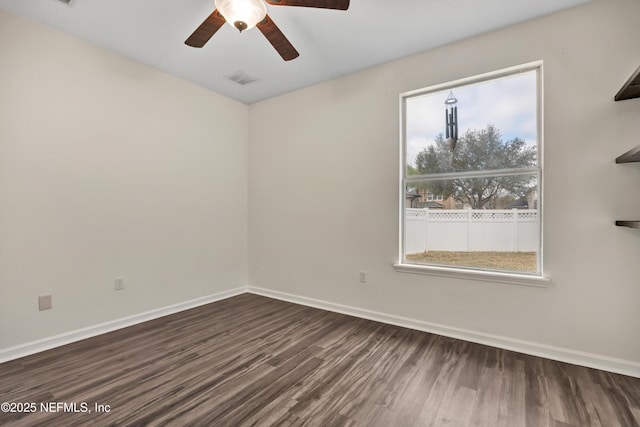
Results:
537 279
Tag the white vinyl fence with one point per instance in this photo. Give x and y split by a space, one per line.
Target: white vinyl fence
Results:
512 230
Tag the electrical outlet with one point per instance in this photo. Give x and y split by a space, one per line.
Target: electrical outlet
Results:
363 277
118 284
44 302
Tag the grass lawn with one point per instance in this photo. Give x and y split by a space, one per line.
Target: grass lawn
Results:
515 261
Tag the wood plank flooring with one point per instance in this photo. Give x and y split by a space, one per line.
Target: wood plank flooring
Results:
251 360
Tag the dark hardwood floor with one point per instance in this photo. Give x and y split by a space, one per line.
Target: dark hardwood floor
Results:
251 360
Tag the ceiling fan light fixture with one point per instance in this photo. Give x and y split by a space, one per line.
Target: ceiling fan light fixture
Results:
242 14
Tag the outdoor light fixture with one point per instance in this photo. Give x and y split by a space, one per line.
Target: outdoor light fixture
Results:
242 14
451 119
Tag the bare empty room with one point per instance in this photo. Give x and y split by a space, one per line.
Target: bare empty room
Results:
319 213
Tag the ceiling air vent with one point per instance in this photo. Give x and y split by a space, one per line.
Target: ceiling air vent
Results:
242 78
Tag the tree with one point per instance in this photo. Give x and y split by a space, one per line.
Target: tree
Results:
477 150
419 187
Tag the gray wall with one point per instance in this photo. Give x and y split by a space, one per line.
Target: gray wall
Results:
109 168
321 154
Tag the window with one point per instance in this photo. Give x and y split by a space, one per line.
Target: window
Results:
475 147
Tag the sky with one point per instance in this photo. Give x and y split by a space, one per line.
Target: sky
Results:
509 103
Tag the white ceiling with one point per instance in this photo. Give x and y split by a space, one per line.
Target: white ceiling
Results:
331 43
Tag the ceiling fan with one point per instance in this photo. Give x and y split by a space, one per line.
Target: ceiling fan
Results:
245 14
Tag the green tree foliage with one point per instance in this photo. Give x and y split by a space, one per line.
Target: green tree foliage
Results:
476 150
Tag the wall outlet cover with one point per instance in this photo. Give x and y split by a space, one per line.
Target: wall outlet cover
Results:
44 302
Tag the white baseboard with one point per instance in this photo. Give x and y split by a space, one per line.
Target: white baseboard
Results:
590 360
32 347
574 357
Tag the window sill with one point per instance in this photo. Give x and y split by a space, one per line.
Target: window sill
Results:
485 276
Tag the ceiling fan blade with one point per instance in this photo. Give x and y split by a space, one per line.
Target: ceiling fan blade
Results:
277 39
323 4
206 30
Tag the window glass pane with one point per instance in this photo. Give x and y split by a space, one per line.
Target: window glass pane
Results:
490 223
495 123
